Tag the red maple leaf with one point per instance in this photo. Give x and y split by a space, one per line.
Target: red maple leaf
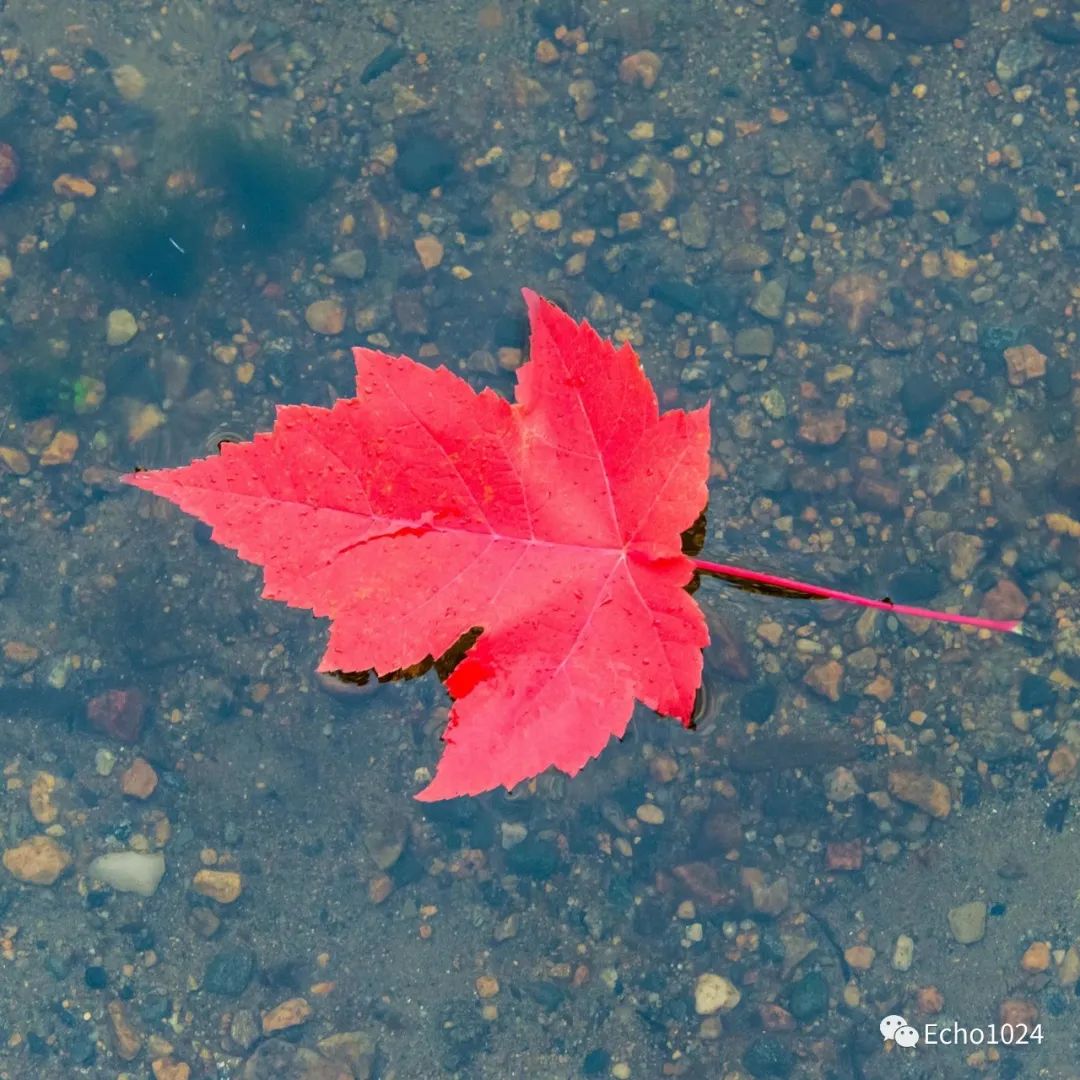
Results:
419 511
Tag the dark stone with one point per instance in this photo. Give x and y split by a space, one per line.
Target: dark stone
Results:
1036 693
96 977
997 204
533 858
774 477
82 1050
768 1057
424 162
464 1032
551 14
155 1007
1060 29
758 703
809 997
921 397
596 1063
914 586
678 295
1067 481
389 58
924 21
229 972
546 994
118 713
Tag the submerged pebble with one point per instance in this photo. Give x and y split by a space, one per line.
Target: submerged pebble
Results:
129 871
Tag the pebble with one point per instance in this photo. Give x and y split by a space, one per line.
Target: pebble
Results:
351 264
998 204
429 250
903 953
167 1068
1062 763
139 779
129 871
74 187
967 922
1023 363
487 986
1036 957
61 449
14 460
768 1058
641 68
844 855
424 161
744 258
860 957
7 271
822 427
126 1039
873 63
1017 56
755 342
855 298
224 886
229 972
1005 601
809 997
923 21
1017 1011
825 679
118 713
129 81
715 994
964 552
38 860
120 327
918 789
42 807
325 317
650 814
769 300
774 405
288 1014
9 166
841 785
695 227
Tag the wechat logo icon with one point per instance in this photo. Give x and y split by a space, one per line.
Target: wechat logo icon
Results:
895 1027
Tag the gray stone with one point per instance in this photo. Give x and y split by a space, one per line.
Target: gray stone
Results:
349 264
695 226
770 298
754 341
746 257
1017 57
967 923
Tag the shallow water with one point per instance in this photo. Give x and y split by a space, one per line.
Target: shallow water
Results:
851 231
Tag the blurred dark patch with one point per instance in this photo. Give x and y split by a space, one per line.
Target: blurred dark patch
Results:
159 242
263 184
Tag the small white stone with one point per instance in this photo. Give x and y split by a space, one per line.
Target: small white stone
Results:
129 871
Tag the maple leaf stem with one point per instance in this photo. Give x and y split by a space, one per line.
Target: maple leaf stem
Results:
791 587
